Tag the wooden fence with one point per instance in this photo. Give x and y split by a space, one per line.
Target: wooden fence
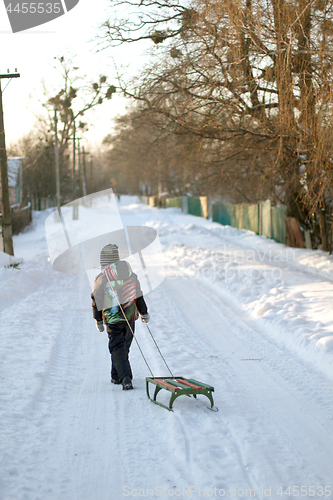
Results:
39 204
261 218
21 217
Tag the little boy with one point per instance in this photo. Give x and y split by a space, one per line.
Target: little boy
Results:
117 302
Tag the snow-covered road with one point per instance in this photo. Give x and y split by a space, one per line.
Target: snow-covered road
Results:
249 316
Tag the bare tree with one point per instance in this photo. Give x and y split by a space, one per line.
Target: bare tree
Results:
75 98
253 76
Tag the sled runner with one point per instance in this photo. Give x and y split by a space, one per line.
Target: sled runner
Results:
178 386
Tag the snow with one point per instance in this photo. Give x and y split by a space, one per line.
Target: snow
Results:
7 260
249 316
13 171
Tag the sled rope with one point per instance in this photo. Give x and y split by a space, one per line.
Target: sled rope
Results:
166 364
136 340
177 386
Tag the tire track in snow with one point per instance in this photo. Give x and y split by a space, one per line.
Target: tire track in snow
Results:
91 417
227 335
188 457
189 439
32 429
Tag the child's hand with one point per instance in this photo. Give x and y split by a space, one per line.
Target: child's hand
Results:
145 317
100 326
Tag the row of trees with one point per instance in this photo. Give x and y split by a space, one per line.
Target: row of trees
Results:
80 173
39 171
236 102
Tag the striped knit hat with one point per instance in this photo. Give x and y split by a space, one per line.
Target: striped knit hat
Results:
109 254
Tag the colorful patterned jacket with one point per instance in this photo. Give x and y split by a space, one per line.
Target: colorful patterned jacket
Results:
117 281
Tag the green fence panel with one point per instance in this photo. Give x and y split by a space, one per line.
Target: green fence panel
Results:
261 219
248 217
233 215
194 206
240 216
253 218
278 223
265 223
176 202
221 215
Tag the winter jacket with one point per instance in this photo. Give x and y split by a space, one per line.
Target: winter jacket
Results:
117 280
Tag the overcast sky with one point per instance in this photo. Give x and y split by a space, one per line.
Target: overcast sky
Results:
32 52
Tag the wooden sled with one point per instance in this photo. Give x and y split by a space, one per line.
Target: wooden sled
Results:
179 386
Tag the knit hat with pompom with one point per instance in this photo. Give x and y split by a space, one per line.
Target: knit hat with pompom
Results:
109 254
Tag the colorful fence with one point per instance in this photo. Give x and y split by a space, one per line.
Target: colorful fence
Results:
240 216
278 224
260 218
174 202
194 206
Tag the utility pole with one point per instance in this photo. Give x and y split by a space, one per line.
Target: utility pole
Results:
82 168
79 161
75 206
84 173
5 202
56 153
84 153
91 173
74 166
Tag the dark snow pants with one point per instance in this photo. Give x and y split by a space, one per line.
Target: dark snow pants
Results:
120 339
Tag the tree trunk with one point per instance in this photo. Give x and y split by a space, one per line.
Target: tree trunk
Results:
307 110
323 230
